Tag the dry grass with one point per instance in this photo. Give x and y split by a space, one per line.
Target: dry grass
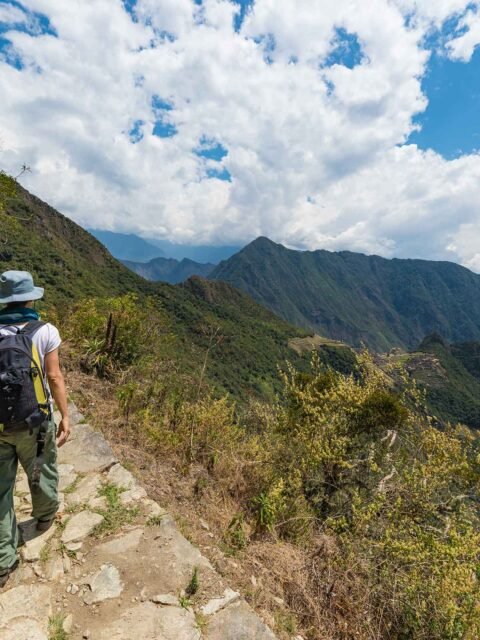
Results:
287 586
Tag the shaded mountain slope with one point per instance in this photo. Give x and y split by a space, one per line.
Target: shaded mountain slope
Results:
457 396
447 372
73 265
169 269
67 260
357 298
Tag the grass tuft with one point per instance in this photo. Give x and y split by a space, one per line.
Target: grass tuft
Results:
155 521
185 602
116 515
194 584
55 628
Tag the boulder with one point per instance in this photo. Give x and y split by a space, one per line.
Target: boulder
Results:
104 584
238 622
87 452
80 526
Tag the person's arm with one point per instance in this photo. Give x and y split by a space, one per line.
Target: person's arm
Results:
56 382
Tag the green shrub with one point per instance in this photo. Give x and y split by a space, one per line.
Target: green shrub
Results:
114 334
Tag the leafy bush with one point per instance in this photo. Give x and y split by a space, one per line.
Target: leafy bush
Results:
114 334
384 504
397 496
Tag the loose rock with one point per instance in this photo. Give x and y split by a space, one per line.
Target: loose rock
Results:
121 544
104 584
25 605
67 624
85 491
166 599
132 495
216 604
80 526
34 542
87 451
238 621
66 479
120 477
149 622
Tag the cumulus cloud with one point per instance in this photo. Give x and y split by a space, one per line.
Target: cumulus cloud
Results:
111 107
463 45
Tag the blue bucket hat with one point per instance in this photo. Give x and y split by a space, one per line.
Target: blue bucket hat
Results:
17 286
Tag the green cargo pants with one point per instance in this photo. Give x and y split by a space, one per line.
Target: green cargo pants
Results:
15 447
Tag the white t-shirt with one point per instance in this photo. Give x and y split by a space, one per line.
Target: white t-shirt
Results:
46 339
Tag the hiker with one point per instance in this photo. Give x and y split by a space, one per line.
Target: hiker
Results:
29 376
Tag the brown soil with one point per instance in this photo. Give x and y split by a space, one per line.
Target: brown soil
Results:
268 573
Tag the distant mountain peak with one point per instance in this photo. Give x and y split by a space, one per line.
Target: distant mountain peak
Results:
356 298
169 269
263 241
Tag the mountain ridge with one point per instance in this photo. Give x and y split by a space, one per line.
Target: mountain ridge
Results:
169 269
132 247
357 298
74 266
127 246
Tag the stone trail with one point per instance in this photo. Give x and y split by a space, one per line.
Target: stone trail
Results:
114 566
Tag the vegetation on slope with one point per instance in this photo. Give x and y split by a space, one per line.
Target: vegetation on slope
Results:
456 396
357 298
68 261
448 373
380 506
248 340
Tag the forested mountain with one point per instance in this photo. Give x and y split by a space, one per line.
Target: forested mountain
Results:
335 488
74 266
456 395
169 269
357 298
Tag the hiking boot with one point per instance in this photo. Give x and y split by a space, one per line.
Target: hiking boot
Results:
44 525
4 575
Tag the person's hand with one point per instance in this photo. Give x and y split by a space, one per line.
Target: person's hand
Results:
63 432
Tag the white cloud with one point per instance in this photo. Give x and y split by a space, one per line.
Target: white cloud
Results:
465 242
463 46
12 15
434 11
312 150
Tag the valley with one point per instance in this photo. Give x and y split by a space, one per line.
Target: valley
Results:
297 463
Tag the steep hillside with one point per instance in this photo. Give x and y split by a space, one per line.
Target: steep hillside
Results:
457 397
448 373
73 265
357 298
169 269
67 260
249 341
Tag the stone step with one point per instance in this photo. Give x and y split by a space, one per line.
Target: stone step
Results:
123 581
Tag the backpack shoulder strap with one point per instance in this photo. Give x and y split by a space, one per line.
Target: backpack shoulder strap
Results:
32 327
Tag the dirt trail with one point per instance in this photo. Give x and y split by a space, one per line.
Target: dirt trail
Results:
114 566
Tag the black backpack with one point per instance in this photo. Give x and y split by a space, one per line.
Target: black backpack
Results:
24 402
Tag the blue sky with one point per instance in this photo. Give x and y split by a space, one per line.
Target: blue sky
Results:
451 122
215 121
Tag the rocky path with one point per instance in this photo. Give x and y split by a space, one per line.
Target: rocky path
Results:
115 566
